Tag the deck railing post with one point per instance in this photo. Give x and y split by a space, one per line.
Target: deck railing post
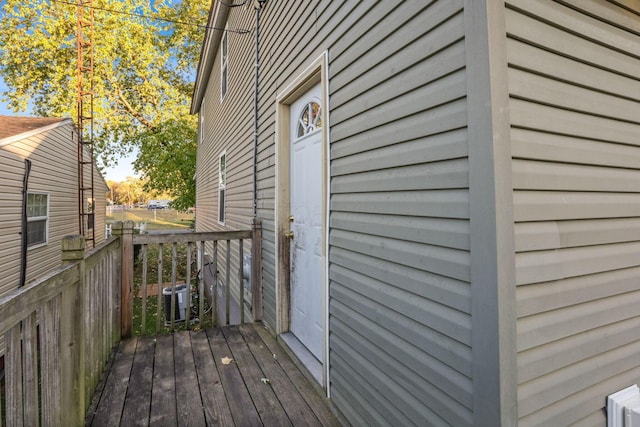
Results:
256 269
124 230
72 336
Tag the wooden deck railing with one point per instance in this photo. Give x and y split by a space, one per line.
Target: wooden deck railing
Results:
59 330
186 289
58 335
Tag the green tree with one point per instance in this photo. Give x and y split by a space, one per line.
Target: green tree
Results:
168 161
143 72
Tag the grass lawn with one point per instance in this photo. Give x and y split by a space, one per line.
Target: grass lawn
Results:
156 219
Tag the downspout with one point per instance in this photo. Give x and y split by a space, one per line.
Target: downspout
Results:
258 6
23 249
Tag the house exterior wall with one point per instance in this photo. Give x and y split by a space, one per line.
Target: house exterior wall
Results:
574 84
227 127
54 170
400 303
10 213
399 316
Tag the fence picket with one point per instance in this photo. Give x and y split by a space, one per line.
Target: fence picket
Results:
13 376
30 370
144 289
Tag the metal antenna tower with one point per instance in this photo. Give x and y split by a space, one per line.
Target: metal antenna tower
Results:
84 37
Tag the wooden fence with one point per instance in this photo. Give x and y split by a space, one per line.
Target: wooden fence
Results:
58 333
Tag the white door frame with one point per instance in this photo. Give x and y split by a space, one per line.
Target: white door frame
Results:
315 73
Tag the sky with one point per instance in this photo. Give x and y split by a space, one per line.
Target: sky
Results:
117 173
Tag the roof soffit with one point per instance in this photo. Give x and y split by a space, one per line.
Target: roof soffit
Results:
217 19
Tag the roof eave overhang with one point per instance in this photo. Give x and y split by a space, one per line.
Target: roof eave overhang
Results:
22 135
217 20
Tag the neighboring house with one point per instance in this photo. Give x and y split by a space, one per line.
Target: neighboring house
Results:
50 144
462 180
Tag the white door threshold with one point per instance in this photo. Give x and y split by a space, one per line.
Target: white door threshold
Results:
306 358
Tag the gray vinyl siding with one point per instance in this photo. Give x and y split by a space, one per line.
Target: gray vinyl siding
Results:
228 127
574 83
400 325
400 319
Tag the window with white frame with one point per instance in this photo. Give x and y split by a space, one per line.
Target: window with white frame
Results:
201 129
222 186
91 216
37 218
224 65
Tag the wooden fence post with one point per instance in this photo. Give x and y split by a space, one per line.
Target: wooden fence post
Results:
256 269
72 336
125 232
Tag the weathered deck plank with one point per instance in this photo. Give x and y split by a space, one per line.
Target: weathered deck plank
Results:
319 408
242 409
181 380
214 402
189 403
138 400
163 401
292 402
269 408
109 409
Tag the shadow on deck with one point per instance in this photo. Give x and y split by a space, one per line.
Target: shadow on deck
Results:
182 379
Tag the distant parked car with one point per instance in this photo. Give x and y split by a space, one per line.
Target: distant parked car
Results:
155 207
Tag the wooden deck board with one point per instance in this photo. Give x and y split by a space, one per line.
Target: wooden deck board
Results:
138 400
293 403
189 403
214 402
242 409
163 400
319 408
180 379
109 409
269 408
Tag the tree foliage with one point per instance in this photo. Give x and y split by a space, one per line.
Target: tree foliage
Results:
132 191
143 72
169 161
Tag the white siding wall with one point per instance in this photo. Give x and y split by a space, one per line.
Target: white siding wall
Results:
11 173
574 81
54 170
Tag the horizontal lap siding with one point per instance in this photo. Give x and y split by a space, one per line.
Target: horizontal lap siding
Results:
11 174
574 81
228 128
293 37
400 321
54 170
400 325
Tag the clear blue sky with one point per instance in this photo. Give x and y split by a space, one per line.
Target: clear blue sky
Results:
117 173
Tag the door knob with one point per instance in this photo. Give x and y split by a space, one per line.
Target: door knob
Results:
289 234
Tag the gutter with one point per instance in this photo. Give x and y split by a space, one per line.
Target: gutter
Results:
258 6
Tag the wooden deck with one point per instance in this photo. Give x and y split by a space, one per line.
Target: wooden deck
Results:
185 379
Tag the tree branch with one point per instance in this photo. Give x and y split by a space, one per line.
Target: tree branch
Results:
121 100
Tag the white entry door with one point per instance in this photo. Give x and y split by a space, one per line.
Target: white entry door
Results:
306 221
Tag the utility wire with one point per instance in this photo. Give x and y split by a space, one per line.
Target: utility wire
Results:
139 15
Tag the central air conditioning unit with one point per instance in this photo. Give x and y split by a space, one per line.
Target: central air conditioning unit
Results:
181 304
